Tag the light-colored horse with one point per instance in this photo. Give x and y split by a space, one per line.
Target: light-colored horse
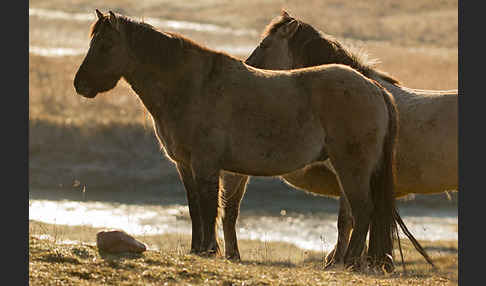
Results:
427 149
213 113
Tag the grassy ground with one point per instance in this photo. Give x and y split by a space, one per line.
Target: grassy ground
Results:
53 260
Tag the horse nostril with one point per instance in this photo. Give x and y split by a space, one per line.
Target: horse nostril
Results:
82 87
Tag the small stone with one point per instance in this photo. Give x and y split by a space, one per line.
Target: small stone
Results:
117 241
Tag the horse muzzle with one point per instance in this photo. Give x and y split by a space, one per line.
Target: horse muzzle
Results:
83 89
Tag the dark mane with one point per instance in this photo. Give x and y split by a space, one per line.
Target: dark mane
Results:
99 22
95 27
275 24
313 47
151 45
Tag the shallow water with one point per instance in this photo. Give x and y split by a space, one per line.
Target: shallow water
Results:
158 22
55 52
48 38
61 52
305 230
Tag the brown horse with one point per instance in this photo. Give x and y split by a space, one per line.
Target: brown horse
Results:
427 149
213 113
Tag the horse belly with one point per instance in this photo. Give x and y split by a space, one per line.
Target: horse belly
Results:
276 151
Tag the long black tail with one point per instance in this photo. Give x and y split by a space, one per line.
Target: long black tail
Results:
382 186
416 244
385 216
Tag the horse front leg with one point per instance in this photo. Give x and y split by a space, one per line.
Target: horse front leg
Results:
207 182
193 201
234 187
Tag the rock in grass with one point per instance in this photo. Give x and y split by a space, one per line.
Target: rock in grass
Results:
117 241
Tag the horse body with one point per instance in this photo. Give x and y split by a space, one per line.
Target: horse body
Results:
427 154
251 118
427 151
245 106
427 148
213 113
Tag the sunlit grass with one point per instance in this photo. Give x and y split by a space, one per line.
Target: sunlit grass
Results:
61 254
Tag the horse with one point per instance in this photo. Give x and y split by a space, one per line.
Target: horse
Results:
427 148
213 114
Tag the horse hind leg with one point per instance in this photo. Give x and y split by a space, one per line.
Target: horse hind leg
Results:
234 187
354 171
344 226
372 209
361 208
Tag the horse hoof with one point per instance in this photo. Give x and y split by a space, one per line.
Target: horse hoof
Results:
195 251
383 266
388 266
329 265
330 256
333 266
208 254
233 256
355 266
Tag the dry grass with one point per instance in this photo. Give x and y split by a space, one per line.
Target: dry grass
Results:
422 68
52 97
71 137
53 262
410 23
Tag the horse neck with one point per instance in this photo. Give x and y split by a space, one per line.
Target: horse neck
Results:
156 85
148 84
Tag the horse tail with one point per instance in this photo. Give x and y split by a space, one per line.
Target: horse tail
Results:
385 216
382 185
410 236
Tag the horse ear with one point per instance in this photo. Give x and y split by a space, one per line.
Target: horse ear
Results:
99 14
289 29
284 14
114 21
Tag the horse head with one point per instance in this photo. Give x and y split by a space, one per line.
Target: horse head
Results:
106 59
273 51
